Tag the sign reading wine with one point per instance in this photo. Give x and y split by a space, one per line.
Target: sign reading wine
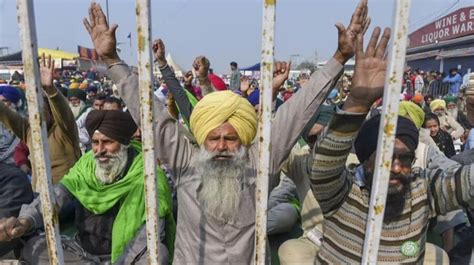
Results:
457 24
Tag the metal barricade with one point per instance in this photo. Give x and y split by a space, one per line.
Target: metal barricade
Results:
39 145
387 129
264 130
145 71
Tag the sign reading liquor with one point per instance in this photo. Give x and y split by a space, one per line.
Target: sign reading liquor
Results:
457 24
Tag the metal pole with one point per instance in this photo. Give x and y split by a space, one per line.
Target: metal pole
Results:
39 142
145 73
107 9
388 127
264 132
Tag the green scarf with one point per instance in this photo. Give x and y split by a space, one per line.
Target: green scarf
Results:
128 191
193 102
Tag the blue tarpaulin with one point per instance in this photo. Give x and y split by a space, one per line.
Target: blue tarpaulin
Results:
255 67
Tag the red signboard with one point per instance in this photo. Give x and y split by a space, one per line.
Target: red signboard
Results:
457 24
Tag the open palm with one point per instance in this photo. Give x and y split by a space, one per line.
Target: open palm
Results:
46 71
347 36
370 69
101 34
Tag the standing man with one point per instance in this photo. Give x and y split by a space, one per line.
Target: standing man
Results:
234 77
454 79
216 178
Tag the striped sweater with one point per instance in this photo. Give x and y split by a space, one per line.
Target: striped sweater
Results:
345 201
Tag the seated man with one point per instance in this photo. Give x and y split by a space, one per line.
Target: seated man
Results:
15 190
108 183
414 196
216 179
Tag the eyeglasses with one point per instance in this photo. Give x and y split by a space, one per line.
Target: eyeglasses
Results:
405 160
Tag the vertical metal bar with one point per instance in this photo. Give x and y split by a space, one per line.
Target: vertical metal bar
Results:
387 129
145 71
39 142
264 129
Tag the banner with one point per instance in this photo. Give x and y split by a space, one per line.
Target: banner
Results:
87 53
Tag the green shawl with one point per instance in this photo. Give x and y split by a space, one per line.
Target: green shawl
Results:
193 102
129 191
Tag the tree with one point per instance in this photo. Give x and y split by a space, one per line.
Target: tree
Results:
307 65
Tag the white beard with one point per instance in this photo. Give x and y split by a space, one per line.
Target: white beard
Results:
107 172
76 110
222 182
453 113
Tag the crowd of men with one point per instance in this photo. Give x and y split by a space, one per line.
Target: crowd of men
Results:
324 132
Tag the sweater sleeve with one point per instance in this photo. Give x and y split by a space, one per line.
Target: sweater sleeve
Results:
329 177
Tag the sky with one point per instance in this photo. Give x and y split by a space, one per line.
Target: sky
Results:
222 30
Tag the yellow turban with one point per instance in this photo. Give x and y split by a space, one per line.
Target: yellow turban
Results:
224 106
414 112
437 103
74 85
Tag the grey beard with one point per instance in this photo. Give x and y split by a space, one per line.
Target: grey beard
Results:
76 110
439 113
222 181
106 173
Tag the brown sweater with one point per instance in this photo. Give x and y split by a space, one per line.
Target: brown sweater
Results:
63 138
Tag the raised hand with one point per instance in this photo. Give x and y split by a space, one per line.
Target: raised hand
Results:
201 66
12 228
281 71
369 73
103 36
159 52
347 37
47 74
188 78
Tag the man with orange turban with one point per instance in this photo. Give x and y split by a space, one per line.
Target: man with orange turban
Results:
216 179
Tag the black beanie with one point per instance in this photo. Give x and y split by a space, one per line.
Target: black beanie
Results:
366 142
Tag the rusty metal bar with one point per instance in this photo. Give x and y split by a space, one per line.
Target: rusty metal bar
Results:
39 144
264 129
387 129
145 72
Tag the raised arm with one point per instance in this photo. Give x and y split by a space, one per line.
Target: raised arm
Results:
172 82
201 66
292 117
171 147
60 110
329 179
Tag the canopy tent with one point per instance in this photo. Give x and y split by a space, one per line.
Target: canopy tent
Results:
177 69
57 54
255 67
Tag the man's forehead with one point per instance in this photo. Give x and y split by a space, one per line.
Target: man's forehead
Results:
399 147
100 136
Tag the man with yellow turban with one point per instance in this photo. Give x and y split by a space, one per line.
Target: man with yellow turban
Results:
215 179
447 123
